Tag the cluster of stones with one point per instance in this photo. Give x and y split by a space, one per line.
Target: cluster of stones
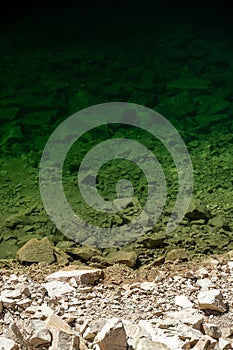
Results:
75 310
34 250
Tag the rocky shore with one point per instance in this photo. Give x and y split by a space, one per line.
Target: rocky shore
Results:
173 306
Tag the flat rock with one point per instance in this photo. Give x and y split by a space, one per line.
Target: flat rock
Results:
123 257
85 253
153 241
81 276
57 288
176 254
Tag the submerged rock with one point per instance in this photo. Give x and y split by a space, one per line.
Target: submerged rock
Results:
197 210
36 251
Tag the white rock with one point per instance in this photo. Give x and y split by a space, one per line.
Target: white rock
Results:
134 333
8 344
166 323
211 300
82 277
63 337
205 283
83 327
25 290
85 308
112 336
148 286
202 272
56 322
227 332
57 288
7 302
24 303
147 327
32 309
172 342
17 328
83 345
14 294
183 301
40 335
64 341
148 344
46 310
190 317
93 328
224 344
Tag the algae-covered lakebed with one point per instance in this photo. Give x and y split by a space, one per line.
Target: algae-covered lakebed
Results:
174 58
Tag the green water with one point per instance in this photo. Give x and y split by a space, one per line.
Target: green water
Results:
175 58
